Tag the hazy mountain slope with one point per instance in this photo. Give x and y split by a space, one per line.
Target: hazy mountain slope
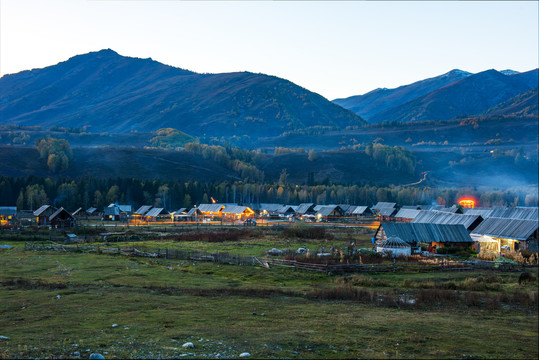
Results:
108 92
523 105
470 96
379 100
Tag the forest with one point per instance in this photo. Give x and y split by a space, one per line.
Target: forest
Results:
30 192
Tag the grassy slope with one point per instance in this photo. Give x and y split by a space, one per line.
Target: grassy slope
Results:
154 320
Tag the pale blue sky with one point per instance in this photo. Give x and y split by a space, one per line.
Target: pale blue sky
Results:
336 49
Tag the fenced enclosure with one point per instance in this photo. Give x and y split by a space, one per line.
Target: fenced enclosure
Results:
268 262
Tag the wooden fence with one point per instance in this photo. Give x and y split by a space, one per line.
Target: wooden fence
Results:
443 265
226 258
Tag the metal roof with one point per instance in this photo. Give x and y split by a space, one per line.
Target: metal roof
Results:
214 208
191 212
40 211
305 208
441 217
426 233
360 210
235 209
125 208
270 207
179 211
413 207
76 211
143 209
520 212
8 210
407 213
328 209
387 211
156 212
285 209
58 212
91 210
318 207
393 242
382 204
507 228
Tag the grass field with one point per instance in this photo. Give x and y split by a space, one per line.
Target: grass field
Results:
64 305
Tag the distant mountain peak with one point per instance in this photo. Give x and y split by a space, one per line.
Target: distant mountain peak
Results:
509 72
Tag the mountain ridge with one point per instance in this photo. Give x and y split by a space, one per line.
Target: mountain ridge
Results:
104 91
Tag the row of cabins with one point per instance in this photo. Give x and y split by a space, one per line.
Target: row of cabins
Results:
495 229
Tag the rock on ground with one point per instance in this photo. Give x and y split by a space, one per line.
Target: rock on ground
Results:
188 345
245 354
96 356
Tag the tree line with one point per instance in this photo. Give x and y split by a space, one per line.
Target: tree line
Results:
30 192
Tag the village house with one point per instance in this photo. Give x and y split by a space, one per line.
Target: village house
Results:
362 211
507 234
61 218
406 214
157 214
237 212
115 212
43 213
435 235
211 210
470 222
7 215
138 215
329 212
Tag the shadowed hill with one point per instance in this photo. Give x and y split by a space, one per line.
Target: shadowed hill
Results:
104 91
379 100
524 104
472 95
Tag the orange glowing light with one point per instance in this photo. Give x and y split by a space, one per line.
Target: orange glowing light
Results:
213 201
467 203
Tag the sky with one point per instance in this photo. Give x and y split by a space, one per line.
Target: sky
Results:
334 48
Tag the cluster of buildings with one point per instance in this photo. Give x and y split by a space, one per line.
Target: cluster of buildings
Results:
402 228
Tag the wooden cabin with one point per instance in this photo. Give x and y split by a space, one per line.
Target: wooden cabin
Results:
513 234
61 218
439 235
43 213
7 215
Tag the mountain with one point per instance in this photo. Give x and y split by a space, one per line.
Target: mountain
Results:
472 95
106 92
379 100
525 104
509 72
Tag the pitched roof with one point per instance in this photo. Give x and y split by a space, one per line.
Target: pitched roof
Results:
426 233
440 217
191 212
270 207
393 242
235 209
305 208
360 210
285 209
507 228
91 210
387 211
156 212
179 211
215 208
77 211
40 211
407 213
58 212
382 204
143 209
328 209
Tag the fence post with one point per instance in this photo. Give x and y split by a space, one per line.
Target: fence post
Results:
442 264
394 265
166 253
